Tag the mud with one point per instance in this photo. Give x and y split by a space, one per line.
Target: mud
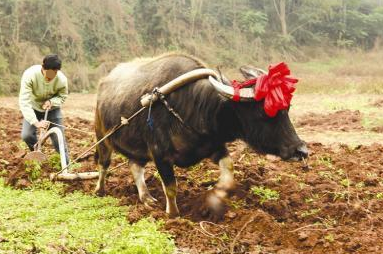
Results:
378 103
378 129
343 120
335 206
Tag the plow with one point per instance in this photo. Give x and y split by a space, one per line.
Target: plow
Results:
39 156
64 174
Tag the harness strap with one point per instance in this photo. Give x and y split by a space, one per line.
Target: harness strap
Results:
158 95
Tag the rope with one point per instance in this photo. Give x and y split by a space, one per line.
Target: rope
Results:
71 128
149 119
124 121
171 110
161 97
119 165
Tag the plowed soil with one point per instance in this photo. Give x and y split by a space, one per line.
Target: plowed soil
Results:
343 120
378 103
335 206
378 129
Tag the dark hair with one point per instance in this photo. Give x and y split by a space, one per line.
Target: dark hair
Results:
52 62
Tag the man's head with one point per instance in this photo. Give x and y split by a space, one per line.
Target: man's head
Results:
51 64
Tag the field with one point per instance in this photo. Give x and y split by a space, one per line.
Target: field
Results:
335 206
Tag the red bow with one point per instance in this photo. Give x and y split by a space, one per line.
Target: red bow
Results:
276 88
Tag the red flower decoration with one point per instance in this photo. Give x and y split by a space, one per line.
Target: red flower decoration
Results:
276 88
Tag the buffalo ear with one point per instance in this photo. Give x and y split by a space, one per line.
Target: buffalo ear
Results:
250 72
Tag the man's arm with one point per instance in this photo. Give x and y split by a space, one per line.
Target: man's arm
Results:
61 95
25 102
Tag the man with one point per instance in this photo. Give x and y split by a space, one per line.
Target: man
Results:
43 87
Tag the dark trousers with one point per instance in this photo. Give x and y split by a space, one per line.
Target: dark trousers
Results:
29 132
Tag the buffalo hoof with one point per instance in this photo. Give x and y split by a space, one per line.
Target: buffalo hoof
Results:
227 186
172 211
214 208
148 200
99 192
173 215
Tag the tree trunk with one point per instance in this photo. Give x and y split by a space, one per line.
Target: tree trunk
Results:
282 17
196 8
344 9
233 5
281 12
16 35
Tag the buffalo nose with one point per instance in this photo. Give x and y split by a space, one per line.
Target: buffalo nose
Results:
302 151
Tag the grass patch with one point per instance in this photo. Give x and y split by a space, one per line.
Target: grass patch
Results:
33 169
322 66
342 73
54 161
310 212
370 122
264 194
42 221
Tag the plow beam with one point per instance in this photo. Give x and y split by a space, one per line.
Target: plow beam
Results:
74 176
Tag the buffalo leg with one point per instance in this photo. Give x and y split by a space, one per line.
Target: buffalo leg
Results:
226 179
104 155
169 185
139 179
215 198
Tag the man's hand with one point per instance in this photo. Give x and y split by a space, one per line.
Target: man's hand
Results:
47 105
42 124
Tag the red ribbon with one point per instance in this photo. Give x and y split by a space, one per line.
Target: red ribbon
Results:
276 88
238 85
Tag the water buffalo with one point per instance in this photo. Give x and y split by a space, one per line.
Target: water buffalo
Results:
211 120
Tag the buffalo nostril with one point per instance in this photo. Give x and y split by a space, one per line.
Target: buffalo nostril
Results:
303 151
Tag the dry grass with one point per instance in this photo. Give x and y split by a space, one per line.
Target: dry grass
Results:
345 73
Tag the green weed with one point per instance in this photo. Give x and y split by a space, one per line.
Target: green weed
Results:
237 204
360 185
302 185
340 195
330 238
277 179
264 194
326 175
310 212
345 182
261 162
22 145
46 184
84 143
54 161
326 161
75 166
311 199
33 169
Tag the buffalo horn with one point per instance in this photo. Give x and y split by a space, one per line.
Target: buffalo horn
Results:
178 82
228 91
